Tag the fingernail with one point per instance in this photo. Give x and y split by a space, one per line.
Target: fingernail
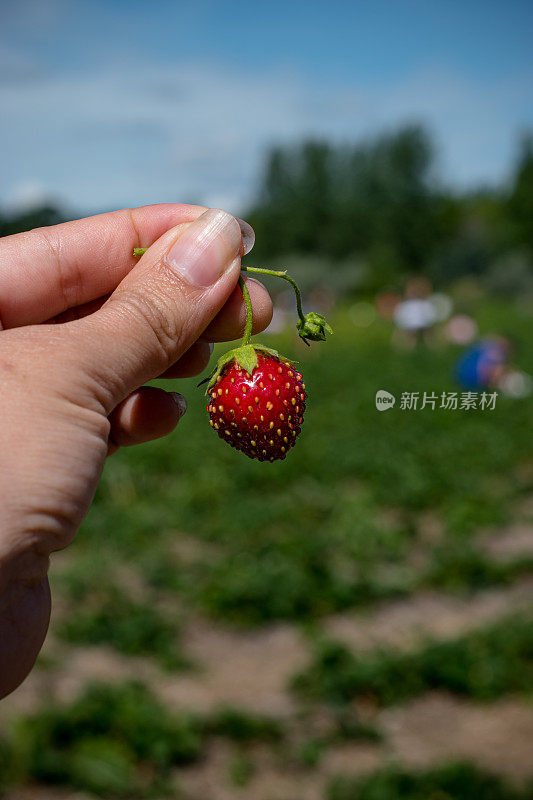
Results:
180 402
248 235
207 249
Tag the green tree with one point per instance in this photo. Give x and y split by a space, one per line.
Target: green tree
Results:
340 201
520 203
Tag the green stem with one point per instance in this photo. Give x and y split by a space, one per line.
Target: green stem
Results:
139 251
280 274
249 312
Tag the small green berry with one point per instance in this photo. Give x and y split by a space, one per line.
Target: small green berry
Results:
313 327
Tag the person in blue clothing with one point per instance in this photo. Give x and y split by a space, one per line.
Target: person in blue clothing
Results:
483 364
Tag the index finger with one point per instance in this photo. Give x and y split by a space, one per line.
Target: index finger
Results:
46 271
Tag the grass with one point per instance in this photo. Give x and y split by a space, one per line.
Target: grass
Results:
238 726
453 782
119 740
483 665
458 566
113 741
313 526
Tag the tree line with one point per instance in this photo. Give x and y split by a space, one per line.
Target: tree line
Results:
376 211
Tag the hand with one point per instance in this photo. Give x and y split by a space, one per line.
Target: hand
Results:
83 326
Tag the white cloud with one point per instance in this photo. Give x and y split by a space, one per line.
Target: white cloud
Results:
26 196
133 133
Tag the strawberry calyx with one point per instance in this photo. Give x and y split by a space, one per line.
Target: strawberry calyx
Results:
245 356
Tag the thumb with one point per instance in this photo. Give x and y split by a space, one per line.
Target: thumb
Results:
162 306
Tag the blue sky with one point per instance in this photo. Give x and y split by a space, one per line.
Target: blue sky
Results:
116 103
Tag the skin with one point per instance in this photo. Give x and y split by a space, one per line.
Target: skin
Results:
83 325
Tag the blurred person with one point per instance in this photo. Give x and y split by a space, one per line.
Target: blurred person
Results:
414 316
482 365
83 327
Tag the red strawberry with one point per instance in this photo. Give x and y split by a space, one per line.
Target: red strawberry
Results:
257 401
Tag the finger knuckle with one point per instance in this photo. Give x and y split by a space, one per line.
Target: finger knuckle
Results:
159 320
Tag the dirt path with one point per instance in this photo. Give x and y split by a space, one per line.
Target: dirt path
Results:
244 669
251 669
512 543
427 614
435 727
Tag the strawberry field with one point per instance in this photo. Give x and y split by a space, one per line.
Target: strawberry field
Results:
348 624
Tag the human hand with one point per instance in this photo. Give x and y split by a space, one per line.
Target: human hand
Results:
82 327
